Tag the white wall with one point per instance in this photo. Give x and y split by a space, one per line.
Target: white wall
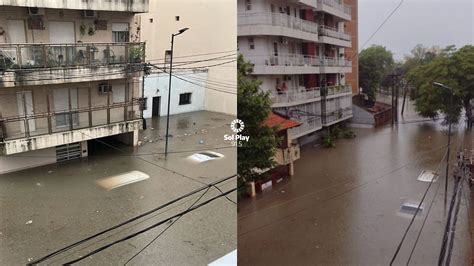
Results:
27 160
157 85
212 28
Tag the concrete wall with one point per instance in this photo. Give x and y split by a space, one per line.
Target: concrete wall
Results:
352 27
112 5
27 160
212 28
75 16
158 86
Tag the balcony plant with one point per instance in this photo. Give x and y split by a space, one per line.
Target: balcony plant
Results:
135 53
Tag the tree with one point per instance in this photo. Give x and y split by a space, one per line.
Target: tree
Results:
254 106
375 63
453 68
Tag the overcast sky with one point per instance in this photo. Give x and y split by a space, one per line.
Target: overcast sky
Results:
430 22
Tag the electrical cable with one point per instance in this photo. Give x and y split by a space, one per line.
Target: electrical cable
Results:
162 232
64 249
150 227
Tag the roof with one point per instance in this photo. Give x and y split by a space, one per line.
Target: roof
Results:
281 122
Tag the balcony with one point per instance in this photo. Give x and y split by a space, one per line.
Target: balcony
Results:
336 91
43 129
41 64
331 117
276 24
288 155
308 126
140 6
333 36
295 96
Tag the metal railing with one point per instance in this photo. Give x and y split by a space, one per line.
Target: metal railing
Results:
333 90
277 19
293 95
309 125
28 56
298 60
44 123
337 4
334 33
334 115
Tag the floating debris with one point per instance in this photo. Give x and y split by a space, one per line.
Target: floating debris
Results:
29 222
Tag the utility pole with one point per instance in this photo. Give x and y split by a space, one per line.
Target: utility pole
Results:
169 88
404 98
450 108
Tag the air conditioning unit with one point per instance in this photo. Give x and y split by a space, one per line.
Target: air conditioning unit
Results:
35 11
105 88
89 13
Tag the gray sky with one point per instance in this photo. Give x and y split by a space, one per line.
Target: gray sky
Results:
430 22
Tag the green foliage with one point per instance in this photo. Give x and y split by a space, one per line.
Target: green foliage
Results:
254 106
451 67
337 132
375 63
328 142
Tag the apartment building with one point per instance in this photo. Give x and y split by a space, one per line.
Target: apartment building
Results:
299 52
69 73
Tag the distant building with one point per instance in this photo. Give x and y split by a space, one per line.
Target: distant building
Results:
185 96
286 154
68 74
299 50
211 34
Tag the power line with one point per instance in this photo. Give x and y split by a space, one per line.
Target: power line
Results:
150 227
59 251
195 55
162 232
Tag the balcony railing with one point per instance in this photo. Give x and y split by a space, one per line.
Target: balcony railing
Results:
28 56
334 33
335 115
294 95
337 4
43 122
309 125
298 60
277 19
333 90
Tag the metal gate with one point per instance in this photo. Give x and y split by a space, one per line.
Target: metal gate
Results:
68 152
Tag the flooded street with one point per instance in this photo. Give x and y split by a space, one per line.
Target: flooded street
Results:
46 208
343 205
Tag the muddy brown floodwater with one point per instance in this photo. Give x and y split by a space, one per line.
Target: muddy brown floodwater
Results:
343 205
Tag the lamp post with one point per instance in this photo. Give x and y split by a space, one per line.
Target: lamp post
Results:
169 88
449 136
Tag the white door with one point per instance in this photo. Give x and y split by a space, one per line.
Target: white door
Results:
25 101
61 32
16 31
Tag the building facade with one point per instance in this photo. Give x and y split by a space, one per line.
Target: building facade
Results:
210 40
69 73
185 97
299 52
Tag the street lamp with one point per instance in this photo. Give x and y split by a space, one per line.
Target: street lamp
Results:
449 136
169 87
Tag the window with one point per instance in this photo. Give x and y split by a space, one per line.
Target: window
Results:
248 5
120 32
251 43
185 98
167 56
